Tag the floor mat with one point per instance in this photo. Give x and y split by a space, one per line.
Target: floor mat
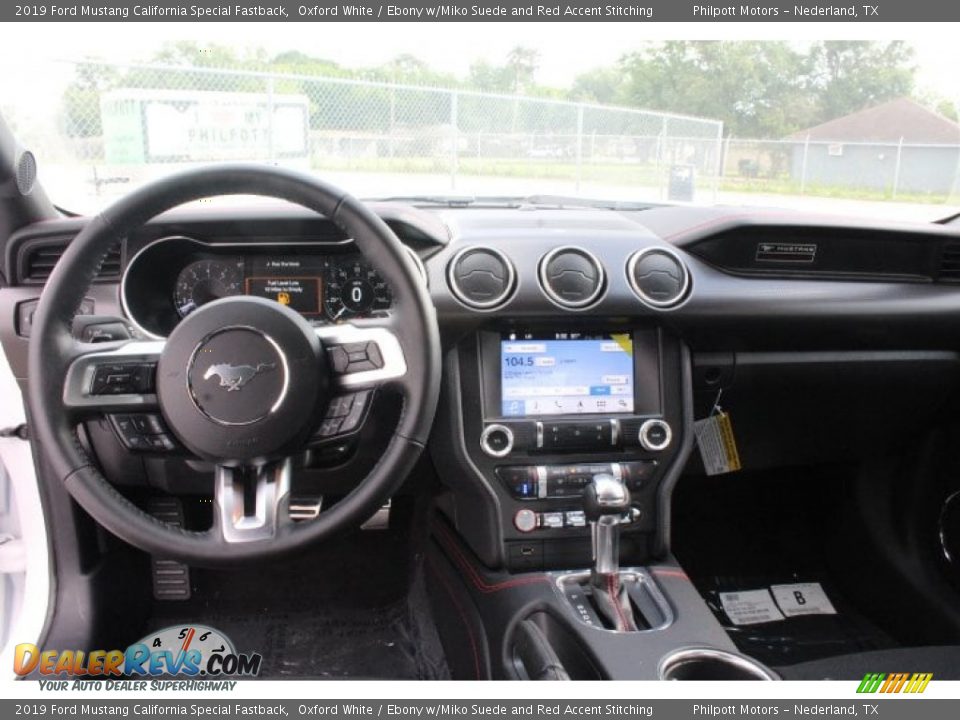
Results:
357 609
334 642
745 532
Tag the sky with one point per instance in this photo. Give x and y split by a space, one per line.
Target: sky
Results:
566 49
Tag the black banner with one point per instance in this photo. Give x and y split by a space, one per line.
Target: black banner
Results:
502 11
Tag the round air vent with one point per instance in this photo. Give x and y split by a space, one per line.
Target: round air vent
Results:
658 276
481 277
571 277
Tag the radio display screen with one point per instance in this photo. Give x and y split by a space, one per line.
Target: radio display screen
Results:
566 374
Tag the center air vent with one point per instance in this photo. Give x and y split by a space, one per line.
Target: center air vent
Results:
481 277
658 276
571 277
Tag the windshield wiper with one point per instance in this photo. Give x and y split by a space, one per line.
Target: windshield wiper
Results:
509 201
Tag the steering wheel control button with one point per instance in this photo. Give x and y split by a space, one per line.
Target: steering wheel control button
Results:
355 357
142 432
353 419
340 406
525 520
339 360
116 379
123 379
655 435
497 440
658 277
481 277
571 277
344 414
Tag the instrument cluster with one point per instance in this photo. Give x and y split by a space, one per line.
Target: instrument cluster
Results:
332 288
173 277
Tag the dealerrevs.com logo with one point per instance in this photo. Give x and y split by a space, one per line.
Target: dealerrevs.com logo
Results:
183 651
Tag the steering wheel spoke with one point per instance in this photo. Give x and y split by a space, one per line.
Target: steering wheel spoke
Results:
118 379
252 502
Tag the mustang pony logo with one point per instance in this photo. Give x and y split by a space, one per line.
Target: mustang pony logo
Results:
234 377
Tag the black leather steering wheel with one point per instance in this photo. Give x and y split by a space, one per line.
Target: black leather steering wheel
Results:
241 382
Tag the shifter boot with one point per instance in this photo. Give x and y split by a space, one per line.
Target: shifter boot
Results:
612 601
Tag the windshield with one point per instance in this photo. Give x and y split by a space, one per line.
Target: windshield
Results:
862 128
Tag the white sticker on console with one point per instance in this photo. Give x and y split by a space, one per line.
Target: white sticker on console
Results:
802 599
750 607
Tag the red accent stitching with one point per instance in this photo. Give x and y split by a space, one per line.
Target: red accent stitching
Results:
613 591
463 617
670 572
475 578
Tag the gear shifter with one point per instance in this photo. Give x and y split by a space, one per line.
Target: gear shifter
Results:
605 500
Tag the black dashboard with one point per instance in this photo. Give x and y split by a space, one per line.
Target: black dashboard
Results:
576 341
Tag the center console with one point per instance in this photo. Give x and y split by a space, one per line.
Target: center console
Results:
534 413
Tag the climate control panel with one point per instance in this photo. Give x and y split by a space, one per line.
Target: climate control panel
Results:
500 439
546 482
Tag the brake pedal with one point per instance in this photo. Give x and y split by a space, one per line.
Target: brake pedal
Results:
171 579
380 520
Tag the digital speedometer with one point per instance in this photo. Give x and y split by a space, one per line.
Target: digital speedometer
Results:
203 281
354 289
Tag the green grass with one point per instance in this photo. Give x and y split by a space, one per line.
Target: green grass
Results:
790 187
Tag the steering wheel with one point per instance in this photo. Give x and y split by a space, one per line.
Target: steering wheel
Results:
242 382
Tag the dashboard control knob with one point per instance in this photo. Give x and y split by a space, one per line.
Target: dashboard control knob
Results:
525 520
497 440
655 435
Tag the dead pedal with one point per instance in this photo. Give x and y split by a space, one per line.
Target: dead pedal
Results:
171 579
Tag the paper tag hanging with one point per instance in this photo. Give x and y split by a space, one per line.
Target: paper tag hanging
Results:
718 448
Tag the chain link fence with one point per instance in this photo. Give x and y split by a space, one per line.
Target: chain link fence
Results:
115 125
101 128
870 170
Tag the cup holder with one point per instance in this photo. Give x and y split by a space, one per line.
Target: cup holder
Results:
712 664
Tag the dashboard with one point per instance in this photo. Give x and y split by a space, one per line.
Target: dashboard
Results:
576 340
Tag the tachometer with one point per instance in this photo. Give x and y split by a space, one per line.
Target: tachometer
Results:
203 281
354 289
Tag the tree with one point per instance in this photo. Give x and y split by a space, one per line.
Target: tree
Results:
756 88
948 109
489 78
600 85
522 63
851 75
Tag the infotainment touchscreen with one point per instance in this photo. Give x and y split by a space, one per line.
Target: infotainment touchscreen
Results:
565 374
